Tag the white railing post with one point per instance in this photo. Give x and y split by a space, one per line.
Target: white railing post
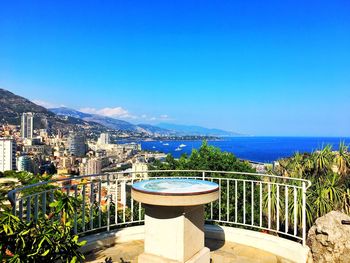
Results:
236 201
227 200
211 206
75 210
116 201
83 208
304 214
286 209
295 212
277 207
220 199
108 203
252 201
269 205
203 175
260 205
132 204
243 202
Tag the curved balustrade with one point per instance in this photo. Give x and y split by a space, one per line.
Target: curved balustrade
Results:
269 203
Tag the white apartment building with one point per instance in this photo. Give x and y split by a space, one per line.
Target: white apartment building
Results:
91 166
7 154
104 139
27 125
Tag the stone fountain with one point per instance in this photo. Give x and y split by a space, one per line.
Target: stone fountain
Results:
174 219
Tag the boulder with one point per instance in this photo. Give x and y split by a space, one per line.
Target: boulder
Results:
329 239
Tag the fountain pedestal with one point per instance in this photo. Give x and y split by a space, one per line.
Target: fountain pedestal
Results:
174 219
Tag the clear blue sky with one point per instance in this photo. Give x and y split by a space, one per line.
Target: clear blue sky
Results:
256 67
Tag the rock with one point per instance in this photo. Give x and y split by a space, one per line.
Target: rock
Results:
329 239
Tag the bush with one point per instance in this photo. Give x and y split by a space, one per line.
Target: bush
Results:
47 239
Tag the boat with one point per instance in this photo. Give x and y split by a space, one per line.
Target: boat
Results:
178 149
154 147
166 144
182 145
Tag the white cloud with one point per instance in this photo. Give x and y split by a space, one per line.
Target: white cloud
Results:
164 117
121 113
117 112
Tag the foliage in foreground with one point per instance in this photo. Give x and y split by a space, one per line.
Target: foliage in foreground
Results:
329 173
46 239
23 178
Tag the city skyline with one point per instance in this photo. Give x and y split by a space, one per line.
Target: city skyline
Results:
259 69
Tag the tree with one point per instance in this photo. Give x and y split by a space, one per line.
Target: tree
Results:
329 172
207 158
342 160
210 158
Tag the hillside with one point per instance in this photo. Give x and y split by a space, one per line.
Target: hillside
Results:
12 106
163 129
110 123
66 119
196 130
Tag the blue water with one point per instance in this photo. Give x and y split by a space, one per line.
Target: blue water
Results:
259 149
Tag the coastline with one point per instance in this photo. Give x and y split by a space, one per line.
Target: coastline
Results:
261 149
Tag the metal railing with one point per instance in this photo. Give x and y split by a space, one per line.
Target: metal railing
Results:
261 202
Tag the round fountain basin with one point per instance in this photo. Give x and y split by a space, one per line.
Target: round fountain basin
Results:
175 192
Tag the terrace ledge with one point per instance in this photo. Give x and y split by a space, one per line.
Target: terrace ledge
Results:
289 250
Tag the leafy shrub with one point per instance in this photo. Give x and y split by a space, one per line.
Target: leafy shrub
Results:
47 239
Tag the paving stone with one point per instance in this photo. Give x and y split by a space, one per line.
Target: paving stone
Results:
221 252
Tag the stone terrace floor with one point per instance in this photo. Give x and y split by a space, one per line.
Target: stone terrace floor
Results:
221 252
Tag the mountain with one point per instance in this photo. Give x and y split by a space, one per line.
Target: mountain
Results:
111 123
196 130
162 129
63 111
156 130
12 106
108 122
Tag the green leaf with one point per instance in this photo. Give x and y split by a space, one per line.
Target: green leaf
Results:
82 243
25 232
45 253
54 204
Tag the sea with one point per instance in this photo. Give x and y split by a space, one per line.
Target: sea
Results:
256 149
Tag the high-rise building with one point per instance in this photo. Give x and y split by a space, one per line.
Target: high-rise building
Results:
24 163
59 134
91 166
104 139
27 125
7 154
77 145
